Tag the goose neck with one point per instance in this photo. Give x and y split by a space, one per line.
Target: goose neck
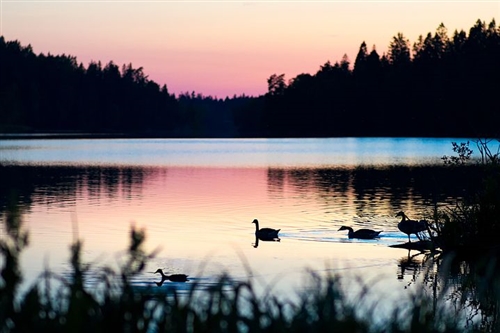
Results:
162 274
256 226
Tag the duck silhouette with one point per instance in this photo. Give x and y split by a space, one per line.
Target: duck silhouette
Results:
265 234
409 227
361 233
173 277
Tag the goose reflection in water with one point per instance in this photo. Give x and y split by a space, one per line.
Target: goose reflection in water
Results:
410 266
264 239
172 278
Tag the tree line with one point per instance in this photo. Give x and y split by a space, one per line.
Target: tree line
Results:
440 86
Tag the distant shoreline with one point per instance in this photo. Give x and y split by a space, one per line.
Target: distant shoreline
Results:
56 135
85 135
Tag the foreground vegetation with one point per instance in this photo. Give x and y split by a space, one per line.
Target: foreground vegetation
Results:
456 297
472 227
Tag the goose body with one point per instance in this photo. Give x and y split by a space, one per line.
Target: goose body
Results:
409 227
173 277
361 233
265 233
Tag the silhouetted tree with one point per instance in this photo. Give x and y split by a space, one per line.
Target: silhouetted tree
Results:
276 84
399 51
361 60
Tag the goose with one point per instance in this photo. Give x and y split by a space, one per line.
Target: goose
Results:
409 227
173 277
265 233
361 233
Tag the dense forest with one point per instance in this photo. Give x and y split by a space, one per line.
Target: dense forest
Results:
441 86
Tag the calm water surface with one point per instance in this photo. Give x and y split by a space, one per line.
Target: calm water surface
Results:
196 200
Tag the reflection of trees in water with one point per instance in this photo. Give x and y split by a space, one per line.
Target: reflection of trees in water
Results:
61 185
109 181
275 181
369 187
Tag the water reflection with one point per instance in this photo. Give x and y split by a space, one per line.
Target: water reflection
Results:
193 213
468 287
61 186
410 265
197 205
368 190
475 283
255 244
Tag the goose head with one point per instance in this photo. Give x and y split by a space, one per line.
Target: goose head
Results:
401 214
159 270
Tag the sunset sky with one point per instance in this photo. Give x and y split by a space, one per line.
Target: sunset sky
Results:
222 48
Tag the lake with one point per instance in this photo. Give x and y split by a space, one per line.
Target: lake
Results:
196 199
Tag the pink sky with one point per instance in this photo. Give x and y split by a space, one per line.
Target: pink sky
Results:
222 48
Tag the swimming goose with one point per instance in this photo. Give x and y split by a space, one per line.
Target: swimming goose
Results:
409 227
265 233
173 277
361 233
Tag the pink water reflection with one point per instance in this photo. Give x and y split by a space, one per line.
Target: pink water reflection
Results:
201 219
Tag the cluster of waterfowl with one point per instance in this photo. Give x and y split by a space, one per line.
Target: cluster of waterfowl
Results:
406 226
